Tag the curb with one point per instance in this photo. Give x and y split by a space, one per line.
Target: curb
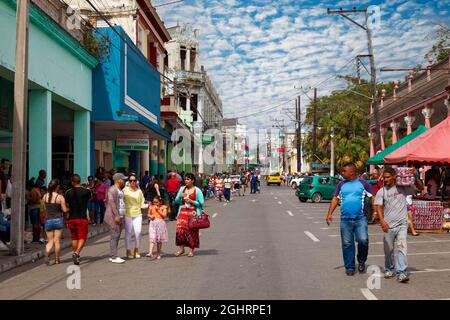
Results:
36 255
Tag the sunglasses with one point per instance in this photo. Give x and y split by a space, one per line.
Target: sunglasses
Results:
133 180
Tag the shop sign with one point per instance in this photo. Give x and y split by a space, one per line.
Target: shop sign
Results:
132 142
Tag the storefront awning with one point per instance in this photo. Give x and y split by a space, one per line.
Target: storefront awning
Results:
430 148
379 157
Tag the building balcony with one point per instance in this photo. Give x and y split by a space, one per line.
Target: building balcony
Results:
191 77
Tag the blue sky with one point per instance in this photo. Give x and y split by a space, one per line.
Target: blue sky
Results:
260 52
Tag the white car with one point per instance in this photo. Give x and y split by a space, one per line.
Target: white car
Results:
295 182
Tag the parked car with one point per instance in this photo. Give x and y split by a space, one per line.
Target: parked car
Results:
295 182
274 178
317 188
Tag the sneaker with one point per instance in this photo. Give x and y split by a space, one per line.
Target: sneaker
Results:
362 268
350 273
389 274
76 259
42 241
403 278
116 260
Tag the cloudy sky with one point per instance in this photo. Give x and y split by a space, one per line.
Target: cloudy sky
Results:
260 53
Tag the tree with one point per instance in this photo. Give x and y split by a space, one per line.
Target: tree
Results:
348 112
440 51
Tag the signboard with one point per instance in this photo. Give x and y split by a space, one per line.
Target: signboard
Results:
207 139
132 142
320 166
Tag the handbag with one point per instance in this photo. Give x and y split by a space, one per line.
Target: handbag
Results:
199 222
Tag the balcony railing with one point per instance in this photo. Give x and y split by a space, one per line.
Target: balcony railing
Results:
190 76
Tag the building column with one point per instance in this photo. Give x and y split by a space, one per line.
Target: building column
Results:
409 120
428 113
82 143
447 104
162 157
145 161
40 133
394 126
188 60
154 157
372 136
383 131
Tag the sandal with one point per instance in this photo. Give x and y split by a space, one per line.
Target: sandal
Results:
179 253
57 261
190 254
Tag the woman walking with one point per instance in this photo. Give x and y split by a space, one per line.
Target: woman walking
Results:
55 207
191 201
134 202
157 229
152 190
101 190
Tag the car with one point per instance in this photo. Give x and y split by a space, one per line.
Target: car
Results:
317 188
295 182
274 178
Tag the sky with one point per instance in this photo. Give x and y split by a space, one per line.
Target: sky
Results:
260 54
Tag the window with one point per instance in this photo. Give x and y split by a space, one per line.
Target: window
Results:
183 58
141 36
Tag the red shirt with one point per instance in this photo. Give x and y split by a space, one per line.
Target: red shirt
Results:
173 185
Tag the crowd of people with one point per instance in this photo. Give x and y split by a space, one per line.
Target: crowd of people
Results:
121 201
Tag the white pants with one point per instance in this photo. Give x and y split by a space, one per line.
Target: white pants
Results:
133 225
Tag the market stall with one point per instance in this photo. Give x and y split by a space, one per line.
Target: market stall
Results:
429 148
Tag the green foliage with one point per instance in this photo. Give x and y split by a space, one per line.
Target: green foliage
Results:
438 51
348 112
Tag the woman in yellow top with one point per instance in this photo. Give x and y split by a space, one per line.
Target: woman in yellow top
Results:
134 202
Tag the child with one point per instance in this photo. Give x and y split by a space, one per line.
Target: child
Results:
157 226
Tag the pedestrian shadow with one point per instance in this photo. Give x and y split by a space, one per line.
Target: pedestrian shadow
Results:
212 252
87 259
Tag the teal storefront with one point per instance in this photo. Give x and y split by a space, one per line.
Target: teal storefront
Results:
60 95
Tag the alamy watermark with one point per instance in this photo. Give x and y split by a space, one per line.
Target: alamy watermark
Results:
74 280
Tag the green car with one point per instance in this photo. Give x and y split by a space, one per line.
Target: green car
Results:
317 188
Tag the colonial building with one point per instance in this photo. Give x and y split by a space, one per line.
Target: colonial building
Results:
422 99
142 28
193 102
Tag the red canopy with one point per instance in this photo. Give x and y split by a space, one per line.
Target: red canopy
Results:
431 147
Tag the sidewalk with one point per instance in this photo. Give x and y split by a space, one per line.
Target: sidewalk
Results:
34 251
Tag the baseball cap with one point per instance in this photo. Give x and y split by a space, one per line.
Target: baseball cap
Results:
119 176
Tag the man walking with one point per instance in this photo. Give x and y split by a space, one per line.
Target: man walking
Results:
392 210
114 215
77 199
172 186
353 220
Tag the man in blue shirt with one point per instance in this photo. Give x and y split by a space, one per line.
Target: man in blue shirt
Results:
352 192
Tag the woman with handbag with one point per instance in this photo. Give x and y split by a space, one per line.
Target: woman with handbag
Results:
191 201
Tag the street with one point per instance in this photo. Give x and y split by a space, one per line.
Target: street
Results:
257 248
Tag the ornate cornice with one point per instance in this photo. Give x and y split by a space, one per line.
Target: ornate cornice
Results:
52 29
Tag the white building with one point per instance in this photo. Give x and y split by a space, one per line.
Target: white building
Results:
194 98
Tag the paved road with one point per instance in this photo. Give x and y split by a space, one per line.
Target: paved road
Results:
263 246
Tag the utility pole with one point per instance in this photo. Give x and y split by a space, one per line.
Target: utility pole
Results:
332 153
299 134
315 122
19 156
373 79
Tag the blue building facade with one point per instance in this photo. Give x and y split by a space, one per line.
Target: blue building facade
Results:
126 102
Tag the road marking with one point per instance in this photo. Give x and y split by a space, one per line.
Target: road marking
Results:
306 214
317 222
413 254
311 236
329 228
290 213
276 198
250 251
279 202
310 218
368 294
214 215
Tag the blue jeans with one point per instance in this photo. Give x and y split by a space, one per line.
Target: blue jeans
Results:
210 191
227 194
99 213
351 230
395 249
